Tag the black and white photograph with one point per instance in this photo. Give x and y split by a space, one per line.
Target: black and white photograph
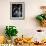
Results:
17 10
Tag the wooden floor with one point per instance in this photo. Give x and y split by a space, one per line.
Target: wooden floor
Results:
30 45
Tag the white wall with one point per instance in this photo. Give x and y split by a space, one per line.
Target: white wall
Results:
25 27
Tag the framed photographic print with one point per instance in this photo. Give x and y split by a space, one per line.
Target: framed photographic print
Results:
17 10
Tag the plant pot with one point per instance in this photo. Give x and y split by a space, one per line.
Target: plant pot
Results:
13 38
43 23
9 41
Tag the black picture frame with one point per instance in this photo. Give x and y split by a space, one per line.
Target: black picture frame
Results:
17 10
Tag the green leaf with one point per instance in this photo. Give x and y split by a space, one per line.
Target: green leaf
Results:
40 18
10 31
45 16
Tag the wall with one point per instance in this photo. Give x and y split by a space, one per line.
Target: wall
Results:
26 26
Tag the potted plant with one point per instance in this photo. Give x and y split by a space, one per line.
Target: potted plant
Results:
10 31
42 17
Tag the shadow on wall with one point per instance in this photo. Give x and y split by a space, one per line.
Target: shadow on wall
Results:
34 22
2 30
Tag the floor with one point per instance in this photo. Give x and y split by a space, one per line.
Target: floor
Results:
30 45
